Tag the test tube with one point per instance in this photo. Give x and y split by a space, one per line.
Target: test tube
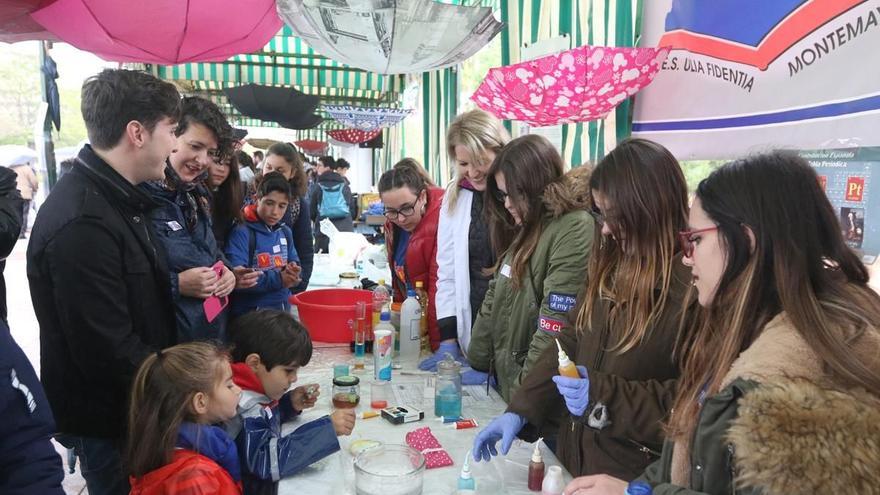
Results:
359 328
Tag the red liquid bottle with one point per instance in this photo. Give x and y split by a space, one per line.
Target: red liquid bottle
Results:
536 469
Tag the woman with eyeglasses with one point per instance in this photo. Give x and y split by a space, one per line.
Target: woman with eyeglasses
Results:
412 210
780 389
622 330
541 215
472 141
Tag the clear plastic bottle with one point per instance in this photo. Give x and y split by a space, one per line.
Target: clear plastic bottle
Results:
553 483
422 294
410 327
383 347
466 482
381 297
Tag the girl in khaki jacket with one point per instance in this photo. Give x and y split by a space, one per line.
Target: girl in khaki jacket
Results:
780 390
623 328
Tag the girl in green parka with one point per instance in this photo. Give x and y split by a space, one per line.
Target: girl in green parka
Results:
780 390
542 216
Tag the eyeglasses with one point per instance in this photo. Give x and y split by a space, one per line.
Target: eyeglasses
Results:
404 211
685 237
598 216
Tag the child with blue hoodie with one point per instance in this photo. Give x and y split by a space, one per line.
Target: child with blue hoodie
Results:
265 243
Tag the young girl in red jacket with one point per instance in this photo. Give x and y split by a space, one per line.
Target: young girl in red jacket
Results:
178 394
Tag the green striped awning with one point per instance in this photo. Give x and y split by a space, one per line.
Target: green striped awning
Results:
285 61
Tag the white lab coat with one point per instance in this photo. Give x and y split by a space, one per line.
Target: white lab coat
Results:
453 267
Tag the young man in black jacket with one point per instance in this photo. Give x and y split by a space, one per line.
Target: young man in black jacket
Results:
99 282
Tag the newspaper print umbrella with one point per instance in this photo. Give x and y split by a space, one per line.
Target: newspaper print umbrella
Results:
366 118
577 85
391 36
353 136
164 32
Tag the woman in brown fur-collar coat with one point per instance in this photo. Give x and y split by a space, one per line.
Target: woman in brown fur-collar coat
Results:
780 391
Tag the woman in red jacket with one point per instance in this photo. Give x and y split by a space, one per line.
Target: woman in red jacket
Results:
412 212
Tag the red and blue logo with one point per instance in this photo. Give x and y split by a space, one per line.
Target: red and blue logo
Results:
750 32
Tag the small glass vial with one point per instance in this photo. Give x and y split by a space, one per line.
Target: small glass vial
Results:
346 392
447 394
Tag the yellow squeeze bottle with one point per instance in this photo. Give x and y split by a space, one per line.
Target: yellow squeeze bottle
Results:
566 367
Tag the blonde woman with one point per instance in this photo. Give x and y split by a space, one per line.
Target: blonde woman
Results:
472 141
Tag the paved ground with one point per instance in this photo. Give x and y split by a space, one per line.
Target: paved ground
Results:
26 332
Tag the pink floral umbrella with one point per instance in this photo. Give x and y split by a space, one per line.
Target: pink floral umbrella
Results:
577 85
162 31
353 136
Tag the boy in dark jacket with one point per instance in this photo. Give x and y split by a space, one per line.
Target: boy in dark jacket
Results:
269 347
265 243
331 198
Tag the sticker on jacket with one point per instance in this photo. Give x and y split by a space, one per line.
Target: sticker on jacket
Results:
550 325
174 226
264 260
21 387
562 303
278 261
276 248
505 270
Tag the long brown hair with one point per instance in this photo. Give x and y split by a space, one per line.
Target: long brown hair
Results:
161 399
406 173
530 164
647 194
479 132
298 180
229 195
797 263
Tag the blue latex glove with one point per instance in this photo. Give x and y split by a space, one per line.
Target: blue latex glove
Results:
470 376
504 428
430 363
576 391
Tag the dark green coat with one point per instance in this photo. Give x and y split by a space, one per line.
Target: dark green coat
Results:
779 426
507 335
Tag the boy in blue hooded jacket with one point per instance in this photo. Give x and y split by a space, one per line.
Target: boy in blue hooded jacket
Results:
265 244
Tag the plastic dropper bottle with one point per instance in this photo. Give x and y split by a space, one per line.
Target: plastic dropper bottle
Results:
566 367
466 482
536 468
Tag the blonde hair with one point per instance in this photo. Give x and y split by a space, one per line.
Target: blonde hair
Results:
478 132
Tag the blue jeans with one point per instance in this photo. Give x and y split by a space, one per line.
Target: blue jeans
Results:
100 461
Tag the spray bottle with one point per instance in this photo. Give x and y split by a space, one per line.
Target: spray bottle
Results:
536 468
466 482
566 367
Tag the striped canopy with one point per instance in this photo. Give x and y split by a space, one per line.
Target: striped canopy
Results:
284 61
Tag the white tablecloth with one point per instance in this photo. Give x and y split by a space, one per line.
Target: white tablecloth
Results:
335 474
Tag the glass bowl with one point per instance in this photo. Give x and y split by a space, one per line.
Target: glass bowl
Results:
389 470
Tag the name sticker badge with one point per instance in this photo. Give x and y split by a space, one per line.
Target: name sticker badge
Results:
561 302
284 241
276 248
505 270
174 226
550 325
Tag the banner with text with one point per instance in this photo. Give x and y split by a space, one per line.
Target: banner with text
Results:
846 176
751 75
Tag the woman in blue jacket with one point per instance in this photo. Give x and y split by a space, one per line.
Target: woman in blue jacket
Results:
265 244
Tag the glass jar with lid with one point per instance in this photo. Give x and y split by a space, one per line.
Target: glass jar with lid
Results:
346 392
349 280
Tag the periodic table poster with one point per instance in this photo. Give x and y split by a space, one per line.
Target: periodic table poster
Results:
846 175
